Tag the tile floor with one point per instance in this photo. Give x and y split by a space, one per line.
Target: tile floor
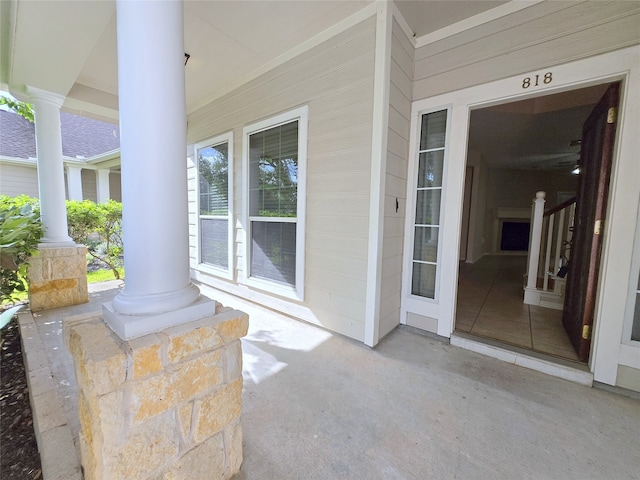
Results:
490 305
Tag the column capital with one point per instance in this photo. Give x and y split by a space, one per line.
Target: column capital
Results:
40 95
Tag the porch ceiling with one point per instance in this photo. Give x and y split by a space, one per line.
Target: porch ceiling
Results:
69 47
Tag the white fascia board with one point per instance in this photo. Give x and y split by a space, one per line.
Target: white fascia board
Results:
112 157
24 162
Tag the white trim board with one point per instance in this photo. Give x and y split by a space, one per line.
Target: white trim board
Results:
379 136
212 269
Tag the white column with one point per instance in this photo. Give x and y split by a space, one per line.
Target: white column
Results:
74 182
536 241
154 174
102 183
46 107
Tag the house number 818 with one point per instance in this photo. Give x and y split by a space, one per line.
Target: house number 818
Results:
535 80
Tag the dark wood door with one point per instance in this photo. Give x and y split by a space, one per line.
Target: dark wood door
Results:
598 136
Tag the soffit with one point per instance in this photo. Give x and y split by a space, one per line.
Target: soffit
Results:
69 47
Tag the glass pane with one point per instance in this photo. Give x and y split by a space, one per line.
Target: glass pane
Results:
214 242
428 207
423 281
213 172
273 251
425 244
635 326
273 171
433 130
430 169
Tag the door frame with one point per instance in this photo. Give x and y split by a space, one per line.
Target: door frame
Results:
621 65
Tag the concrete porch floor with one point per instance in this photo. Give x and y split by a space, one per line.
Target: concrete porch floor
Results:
317 405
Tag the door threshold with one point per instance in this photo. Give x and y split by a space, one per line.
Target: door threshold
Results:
556 367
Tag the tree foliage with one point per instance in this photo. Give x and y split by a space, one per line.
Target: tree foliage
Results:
20 232
25 110
99 227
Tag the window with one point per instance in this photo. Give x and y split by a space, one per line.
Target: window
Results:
635 326
215 236
275 161
428 199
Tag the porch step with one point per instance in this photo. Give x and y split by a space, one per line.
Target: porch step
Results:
556 367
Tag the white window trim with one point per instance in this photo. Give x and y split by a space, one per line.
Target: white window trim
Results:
633 288
205 267
413 302
302 116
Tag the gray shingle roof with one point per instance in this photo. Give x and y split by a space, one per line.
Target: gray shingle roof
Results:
80 136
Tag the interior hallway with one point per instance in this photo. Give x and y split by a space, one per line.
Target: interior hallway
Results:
490 305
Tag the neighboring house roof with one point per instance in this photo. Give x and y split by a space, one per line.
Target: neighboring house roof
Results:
81 136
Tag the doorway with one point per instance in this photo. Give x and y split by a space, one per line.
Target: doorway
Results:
517 149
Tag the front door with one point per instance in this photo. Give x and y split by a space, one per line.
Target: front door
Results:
598 135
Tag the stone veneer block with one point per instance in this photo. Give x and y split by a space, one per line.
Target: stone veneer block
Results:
162 406
58 277
146 356
217 410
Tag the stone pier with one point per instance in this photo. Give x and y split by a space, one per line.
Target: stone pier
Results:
163 406
58 277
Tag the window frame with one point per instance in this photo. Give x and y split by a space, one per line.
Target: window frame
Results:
301 115
632 296
218 271
412 182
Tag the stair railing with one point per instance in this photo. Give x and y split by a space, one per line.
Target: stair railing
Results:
549 244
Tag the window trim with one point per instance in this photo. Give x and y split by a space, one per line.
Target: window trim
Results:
411 207
206 267
633 289
300 114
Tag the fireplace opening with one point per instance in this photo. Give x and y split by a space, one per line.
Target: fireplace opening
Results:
514 236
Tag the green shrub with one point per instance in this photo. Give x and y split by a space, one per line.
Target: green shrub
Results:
20 232
99 227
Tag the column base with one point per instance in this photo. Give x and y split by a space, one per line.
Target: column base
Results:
128 327
58 277
162 406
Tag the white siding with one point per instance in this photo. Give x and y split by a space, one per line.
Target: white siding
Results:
546 34
18 180
335 80
396 178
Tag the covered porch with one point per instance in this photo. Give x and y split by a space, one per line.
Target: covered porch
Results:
414 407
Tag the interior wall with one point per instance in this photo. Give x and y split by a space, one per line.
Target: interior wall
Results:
517 189
476 241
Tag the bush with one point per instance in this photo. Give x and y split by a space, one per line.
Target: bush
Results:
99 227
20 232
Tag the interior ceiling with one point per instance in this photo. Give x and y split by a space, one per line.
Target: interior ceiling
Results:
533 134
69 47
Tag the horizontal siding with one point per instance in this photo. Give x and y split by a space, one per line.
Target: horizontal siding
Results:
543 35
89 185
395 178
18 180
335 81
115 186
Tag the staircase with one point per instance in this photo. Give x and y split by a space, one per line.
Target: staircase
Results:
549 252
